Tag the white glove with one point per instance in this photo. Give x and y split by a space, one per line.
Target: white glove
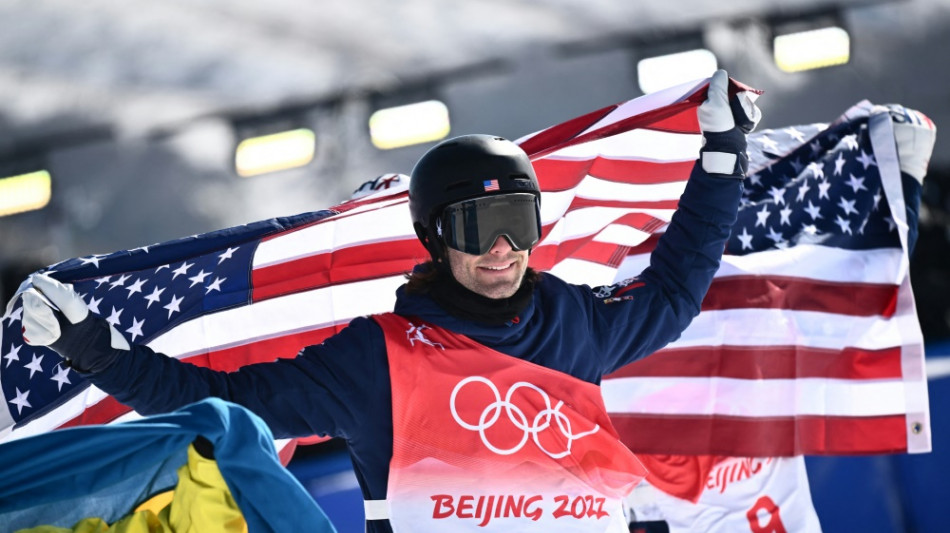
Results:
724 123
44 305
915 134
40 323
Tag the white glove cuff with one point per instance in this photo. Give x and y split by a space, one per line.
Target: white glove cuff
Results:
116 340
719 162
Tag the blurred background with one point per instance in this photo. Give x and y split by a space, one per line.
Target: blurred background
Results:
126 123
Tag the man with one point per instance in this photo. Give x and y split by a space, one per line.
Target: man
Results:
475 404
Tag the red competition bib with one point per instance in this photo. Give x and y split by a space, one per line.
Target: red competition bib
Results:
487 442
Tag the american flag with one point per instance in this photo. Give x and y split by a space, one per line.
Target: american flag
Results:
146 293
781 343
808 340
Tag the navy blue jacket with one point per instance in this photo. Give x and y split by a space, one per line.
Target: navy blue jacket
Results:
341 387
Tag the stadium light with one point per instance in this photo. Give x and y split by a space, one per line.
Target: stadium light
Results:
25 192
811 49
662 71
273 152
405 125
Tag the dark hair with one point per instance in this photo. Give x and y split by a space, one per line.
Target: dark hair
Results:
424 276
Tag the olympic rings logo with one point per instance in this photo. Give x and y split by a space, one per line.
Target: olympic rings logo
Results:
541 422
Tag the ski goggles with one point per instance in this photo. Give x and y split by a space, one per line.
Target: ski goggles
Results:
473 226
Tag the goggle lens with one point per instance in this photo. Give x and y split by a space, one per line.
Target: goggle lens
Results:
473 226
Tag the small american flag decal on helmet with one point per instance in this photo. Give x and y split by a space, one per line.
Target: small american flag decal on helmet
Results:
490 185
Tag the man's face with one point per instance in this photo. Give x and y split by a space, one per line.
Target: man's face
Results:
496 274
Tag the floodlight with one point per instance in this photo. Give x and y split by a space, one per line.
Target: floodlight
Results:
25 192
817 48
273 152
405 125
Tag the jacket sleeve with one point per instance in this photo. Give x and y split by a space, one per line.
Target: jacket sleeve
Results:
638 316
315 393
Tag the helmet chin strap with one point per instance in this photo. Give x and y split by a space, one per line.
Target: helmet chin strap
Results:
433 243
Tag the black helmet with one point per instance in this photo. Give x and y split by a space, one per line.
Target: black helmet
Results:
463 168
